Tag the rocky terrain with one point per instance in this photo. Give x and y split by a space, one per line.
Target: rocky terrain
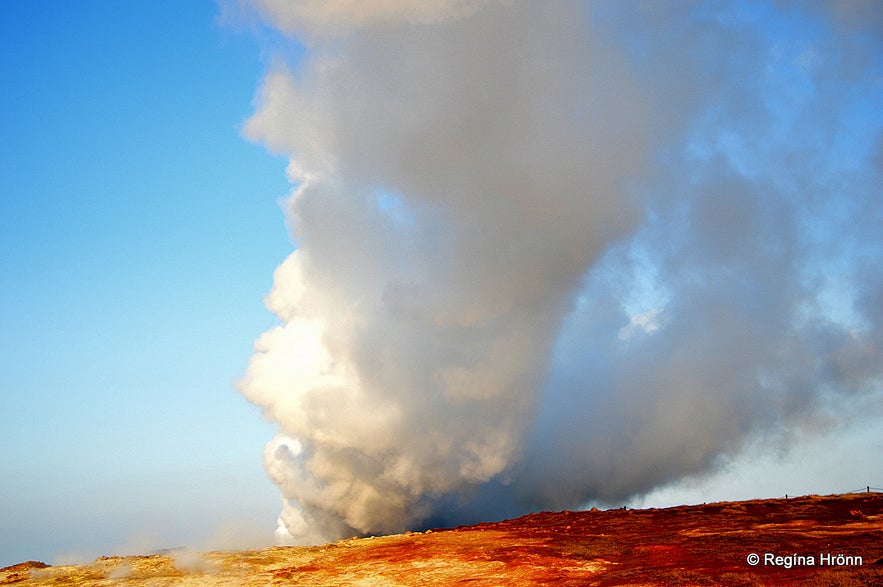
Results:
812 540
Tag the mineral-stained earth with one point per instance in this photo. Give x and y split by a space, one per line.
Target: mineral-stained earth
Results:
812 540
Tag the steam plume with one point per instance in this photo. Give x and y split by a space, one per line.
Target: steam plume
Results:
557 252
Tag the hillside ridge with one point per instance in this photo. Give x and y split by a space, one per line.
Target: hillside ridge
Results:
808 540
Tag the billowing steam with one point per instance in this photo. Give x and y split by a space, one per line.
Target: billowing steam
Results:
553 252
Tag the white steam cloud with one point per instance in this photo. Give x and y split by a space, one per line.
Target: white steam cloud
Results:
324 18
557 252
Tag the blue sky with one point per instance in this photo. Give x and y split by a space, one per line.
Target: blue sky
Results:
138 234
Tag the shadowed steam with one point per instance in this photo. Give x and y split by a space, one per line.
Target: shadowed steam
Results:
549 253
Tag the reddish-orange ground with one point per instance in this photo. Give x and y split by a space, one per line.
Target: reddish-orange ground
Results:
690 545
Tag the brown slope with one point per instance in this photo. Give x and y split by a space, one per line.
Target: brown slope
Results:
689 545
